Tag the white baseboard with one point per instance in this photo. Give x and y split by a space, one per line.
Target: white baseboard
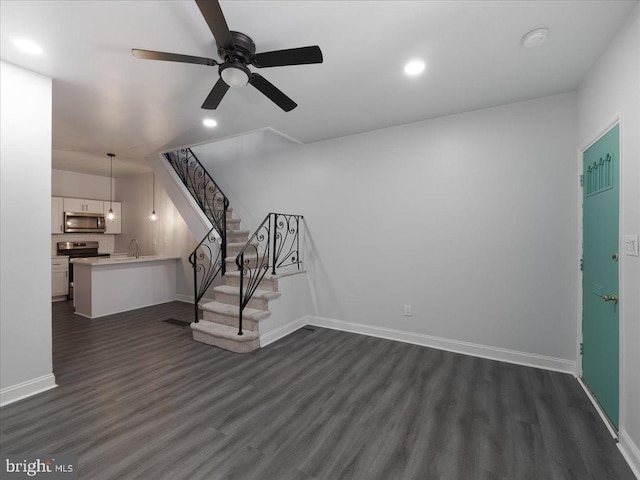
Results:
467 348
630 452
26 389
281 332
184 298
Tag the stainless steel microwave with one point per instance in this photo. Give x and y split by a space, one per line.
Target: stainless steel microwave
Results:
82 222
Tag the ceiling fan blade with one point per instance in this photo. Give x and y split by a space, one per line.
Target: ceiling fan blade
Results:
271 92
172 57
214 17
215 96
291 56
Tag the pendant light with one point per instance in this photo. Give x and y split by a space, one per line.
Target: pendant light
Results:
111 216
153 217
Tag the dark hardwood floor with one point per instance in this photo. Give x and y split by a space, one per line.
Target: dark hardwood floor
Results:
138 399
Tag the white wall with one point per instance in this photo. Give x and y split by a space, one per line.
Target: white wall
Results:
168 236
612 89
25 287
81 185
471 219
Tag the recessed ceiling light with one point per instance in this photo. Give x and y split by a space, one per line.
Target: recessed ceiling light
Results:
535 38
209 122
413 68
28 46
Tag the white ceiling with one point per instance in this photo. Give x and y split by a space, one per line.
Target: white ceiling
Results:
105 100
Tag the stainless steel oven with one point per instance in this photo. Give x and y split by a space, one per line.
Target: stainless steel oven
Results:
78 250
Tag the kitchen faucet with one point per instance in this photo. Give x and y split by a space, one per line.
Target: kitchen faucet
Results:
133 249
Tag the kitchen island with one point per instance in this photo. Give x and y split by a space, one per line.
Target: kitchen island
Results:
103 286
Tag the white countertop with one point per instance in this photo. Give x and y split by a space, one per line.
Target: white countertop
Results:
103 285
97 261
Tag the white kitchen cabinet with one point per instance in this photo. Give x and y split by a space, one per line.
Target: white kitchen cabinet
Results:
83 205
57 215
113 226
59 276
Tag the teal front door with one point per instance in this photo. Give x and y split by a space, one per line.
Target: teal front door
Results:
600 329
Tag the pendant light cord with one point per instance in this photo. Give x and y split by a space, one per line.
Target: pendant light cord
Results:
153 217
111 155
111 184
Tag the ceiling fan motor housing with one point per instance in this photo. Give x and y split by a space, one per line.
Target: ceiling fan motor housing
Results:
234 71
244 50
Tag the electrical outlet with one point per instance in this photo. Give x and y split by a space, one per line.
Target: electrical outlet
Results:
631 245
407 310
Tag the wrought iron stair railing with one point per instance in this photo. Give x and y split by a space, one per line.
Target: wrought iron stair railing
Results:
273 248
204 190
205 268
215 204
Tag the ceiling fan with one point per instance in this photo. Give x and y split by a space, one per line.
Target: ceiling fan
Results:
237 52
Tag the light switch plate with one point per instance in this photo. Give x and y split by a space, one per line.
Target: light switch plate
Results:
631 245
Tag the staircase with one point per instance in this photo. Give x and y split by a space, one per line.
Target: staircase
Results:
220 318
250 269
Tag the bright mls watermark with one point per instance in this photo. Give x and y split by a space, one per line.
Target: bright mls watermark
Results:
41 467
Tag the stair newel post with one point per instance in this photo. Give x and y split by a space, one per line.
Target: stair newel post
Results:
193 260
241 299
195 292
274 231
298 241
223 234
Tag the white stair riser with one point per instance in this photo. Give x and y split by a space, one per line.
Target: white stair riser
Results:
257 303
247 323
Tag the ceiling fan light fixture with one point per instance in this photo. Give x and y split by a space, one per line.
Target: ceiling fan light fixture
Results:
235 74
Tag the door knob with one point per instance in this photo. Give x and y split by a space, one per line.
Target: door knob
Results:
610 298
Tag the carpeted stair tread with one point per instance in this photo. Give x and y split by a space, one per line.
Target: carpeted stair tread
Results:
251 254
239 232
225 337
224 331
232 311
236 244
231 290
267 276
